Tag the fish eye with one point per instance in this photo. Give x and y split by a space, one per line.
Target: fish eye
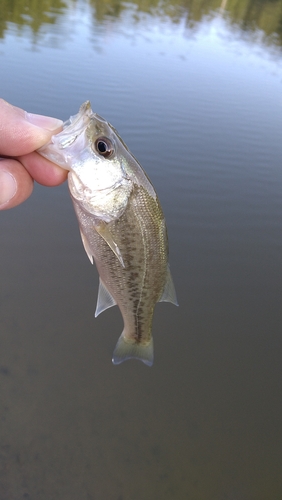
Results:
104 146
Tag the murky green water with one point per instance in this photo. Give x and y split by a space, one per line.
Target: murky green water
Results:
195 92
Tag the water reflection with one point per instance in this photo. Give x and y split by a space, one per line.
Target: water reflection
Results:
258 20
32 15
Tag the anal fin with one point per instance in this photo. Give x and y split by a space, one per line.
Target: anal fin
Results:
169 293
105 299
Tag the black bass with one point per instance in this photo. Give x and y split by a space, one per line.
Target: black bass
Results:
121 223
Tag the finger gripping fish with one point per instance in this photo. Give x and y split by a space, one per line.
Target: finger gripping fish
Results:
121 223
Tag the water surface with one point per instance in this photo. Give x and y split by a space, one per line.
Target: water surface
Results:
195 92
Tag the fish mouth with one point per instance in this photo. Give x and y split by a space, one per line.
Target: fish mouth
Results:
62 147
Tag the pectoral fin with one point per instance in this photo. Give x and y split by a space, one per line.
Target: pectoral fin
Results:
105 299
86 247
169 294
104 232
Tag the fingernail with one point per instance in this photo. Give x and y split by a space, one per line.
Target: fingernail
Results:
46 122
8 187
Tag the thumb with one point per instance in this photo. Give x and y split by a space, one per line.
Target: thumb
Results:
22 132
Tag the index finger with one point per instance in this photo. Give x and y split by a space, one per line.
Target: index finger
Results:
22 132
42 170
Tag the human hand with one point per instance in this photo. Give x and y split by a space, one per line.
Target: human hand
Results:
21 134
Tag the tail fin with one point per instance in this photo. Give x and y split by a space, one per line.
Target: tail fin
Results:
132 350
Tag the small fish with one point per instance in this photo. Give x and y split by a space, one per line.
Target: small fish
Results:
121 223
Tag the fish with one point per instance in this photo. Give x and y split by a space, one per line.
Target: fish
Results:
121 223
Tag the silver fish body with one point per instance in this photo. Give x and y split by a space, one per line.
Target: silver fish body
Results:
121 223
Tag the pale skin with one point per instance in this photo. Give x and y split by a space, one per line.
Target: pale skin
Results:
21 134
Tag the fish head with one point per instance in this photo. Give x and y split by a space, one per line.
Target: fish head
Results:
90 149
